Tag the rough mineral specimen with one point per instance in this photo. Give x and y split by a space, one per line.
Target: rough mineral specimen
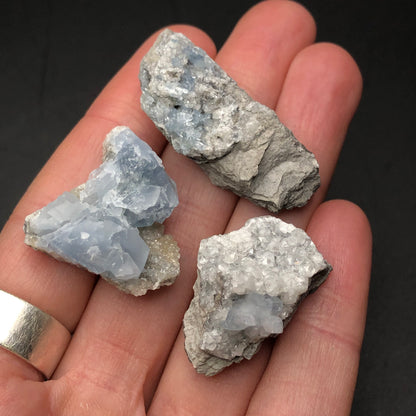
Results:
95 225
249 285
240 143
162 266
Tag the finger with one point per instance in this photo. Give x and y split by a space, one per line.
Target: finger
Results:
264 42
313 367
183 391
57 288
204 210
329 106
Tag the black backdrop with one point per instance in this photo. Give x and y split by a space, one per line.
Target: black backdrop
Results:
55 57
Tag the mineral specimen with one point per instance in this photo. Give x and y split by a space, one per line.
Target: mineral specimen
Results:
95 225
249 285
240 143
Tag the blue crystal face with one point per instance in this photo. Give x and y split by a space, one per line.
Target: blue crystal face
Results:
95 225
255 314
189 123
79 233
131 181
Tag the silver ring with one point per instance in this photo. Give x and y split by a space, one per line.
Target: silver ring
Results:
32 334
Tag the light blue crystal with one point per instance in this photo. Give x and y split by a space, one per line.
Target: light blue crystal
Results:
256 314
95 225
131 180
79 233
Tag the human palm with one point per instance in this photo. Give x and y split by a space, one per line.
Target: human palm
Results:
127 356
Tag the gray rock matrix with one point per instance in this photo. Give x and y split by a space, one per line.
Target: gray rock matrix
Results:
240 143
249 285
109 225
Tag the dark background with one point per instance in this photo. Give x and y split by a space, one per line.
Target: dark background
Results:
55 57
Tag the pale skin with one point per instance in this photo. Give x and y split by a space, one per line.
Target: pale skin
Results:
127 356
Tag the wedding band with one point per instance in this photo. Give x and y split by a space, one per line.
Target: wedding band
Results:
31 334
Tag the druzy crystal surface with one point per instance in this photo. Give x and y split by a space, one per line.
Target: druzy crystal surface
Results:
95 226
240 143
249 285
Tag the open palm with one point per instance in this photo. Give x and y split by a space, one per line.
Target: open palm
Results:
127 356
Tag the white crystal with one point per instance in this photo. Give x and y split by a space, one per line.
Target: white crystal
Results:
249 285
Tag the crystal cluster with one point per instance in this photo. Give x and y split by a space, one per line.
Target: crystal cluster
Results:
240 143
95 226
249 285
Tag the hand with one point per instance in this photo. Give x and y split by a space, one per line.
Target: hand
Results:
127 356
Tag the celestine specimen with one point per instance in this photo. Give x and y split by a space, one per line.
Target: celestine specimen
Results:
239 143
249 284
110 224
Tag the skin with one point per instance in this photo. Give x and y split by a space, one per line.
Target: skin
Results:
126 356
